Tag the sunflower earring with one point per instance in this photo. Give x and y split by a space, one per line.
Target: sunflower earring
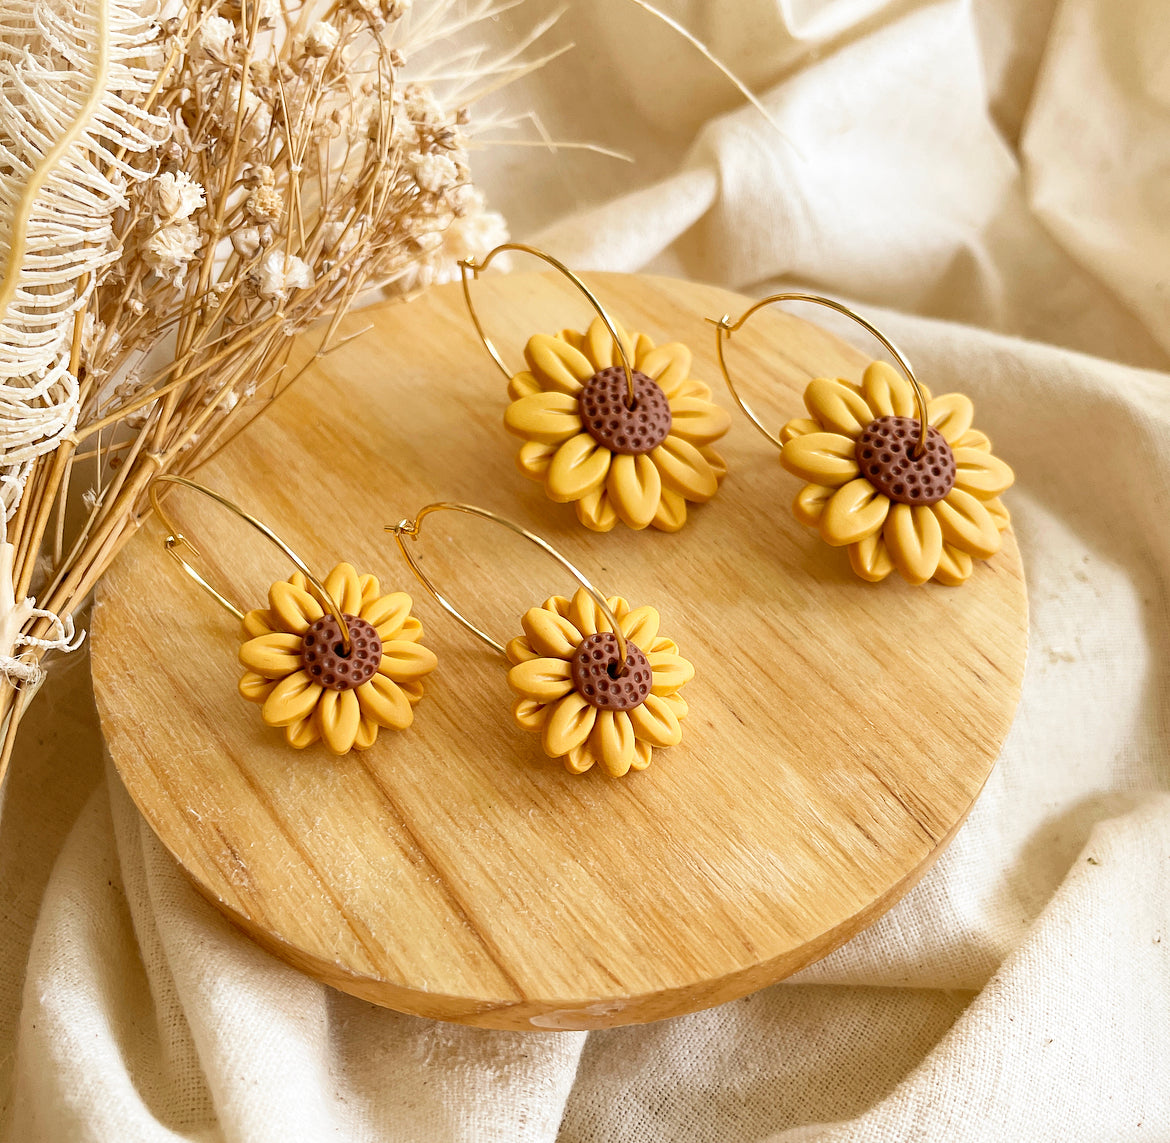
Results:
331 661
592 675
611 423
900 479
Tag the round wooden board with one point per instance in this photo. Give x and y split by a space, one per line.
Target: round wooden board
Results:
839 731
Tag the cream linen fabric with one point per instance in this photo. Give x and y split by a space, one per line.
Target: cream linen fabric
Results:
1000 175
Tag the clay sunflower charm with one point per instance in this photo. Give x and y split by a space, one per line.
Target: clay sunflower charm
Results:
639 465
571 694
930 517
297 668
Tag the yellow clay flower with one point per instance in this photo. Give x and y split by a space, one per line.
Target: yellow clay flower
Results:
291 652
640 465
929 517
570 694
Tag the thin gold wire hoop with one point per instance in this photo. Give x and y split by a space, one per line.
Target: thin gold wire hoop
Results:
412 528
175 539
471 269
724 328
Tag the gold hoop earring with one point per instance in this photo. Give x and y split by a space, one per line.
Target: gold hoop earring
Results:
331 660
610 422
899 479
592 675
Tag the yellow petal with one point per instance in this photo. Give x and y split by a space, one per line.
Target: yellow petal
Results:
612 742
254 687
838 406
519 650
523 385
579 759
272 656
541 680
717 463
573 337
870 558
810 503
338 717
258 621
557 364
983 475
296 610
550 634
618 606
685 470
887 392
585 615
410 632
557 604
643 752
384 701
568 725
798 427
529 715
951 414
300 735
643 346
634 488
405 662
595 511
367 733
662 644
856 510
699 422
973 438
577 468
413 692
677 704
371 589
655 722
291 700
388 614
534 458
297 579
997 510
821 458
599 346
967 524
672 512
954 567
546 417
670 366
343 585
670 673
914 540
691 387
640 626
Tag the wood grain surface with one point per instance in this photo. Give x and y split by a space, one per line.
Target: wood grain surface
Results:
839 731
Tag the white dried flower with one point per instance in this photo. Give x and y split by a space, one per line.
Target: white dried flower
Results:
323 37
433 173
420 104
264 203
281 272
246 242
175 196
395 9
169 249
215 38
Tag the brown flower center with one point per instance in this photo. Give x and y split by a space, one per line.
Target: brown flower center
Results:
612 423
324 657
885 455
595 667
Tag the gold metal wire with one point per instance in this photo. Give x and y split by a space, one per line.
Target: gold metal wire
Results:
412 528
470 270
724 328
175 539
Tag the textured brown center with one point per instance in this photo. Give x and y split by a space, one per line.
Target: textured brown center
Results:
323 653
885 455
595 667
611 422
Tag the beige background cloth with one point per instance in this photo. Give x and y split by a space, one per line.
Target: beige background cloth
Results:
992 180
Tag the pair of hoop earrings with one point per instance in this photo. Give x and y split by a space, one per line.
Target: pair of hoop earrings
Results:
620 428
337 660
